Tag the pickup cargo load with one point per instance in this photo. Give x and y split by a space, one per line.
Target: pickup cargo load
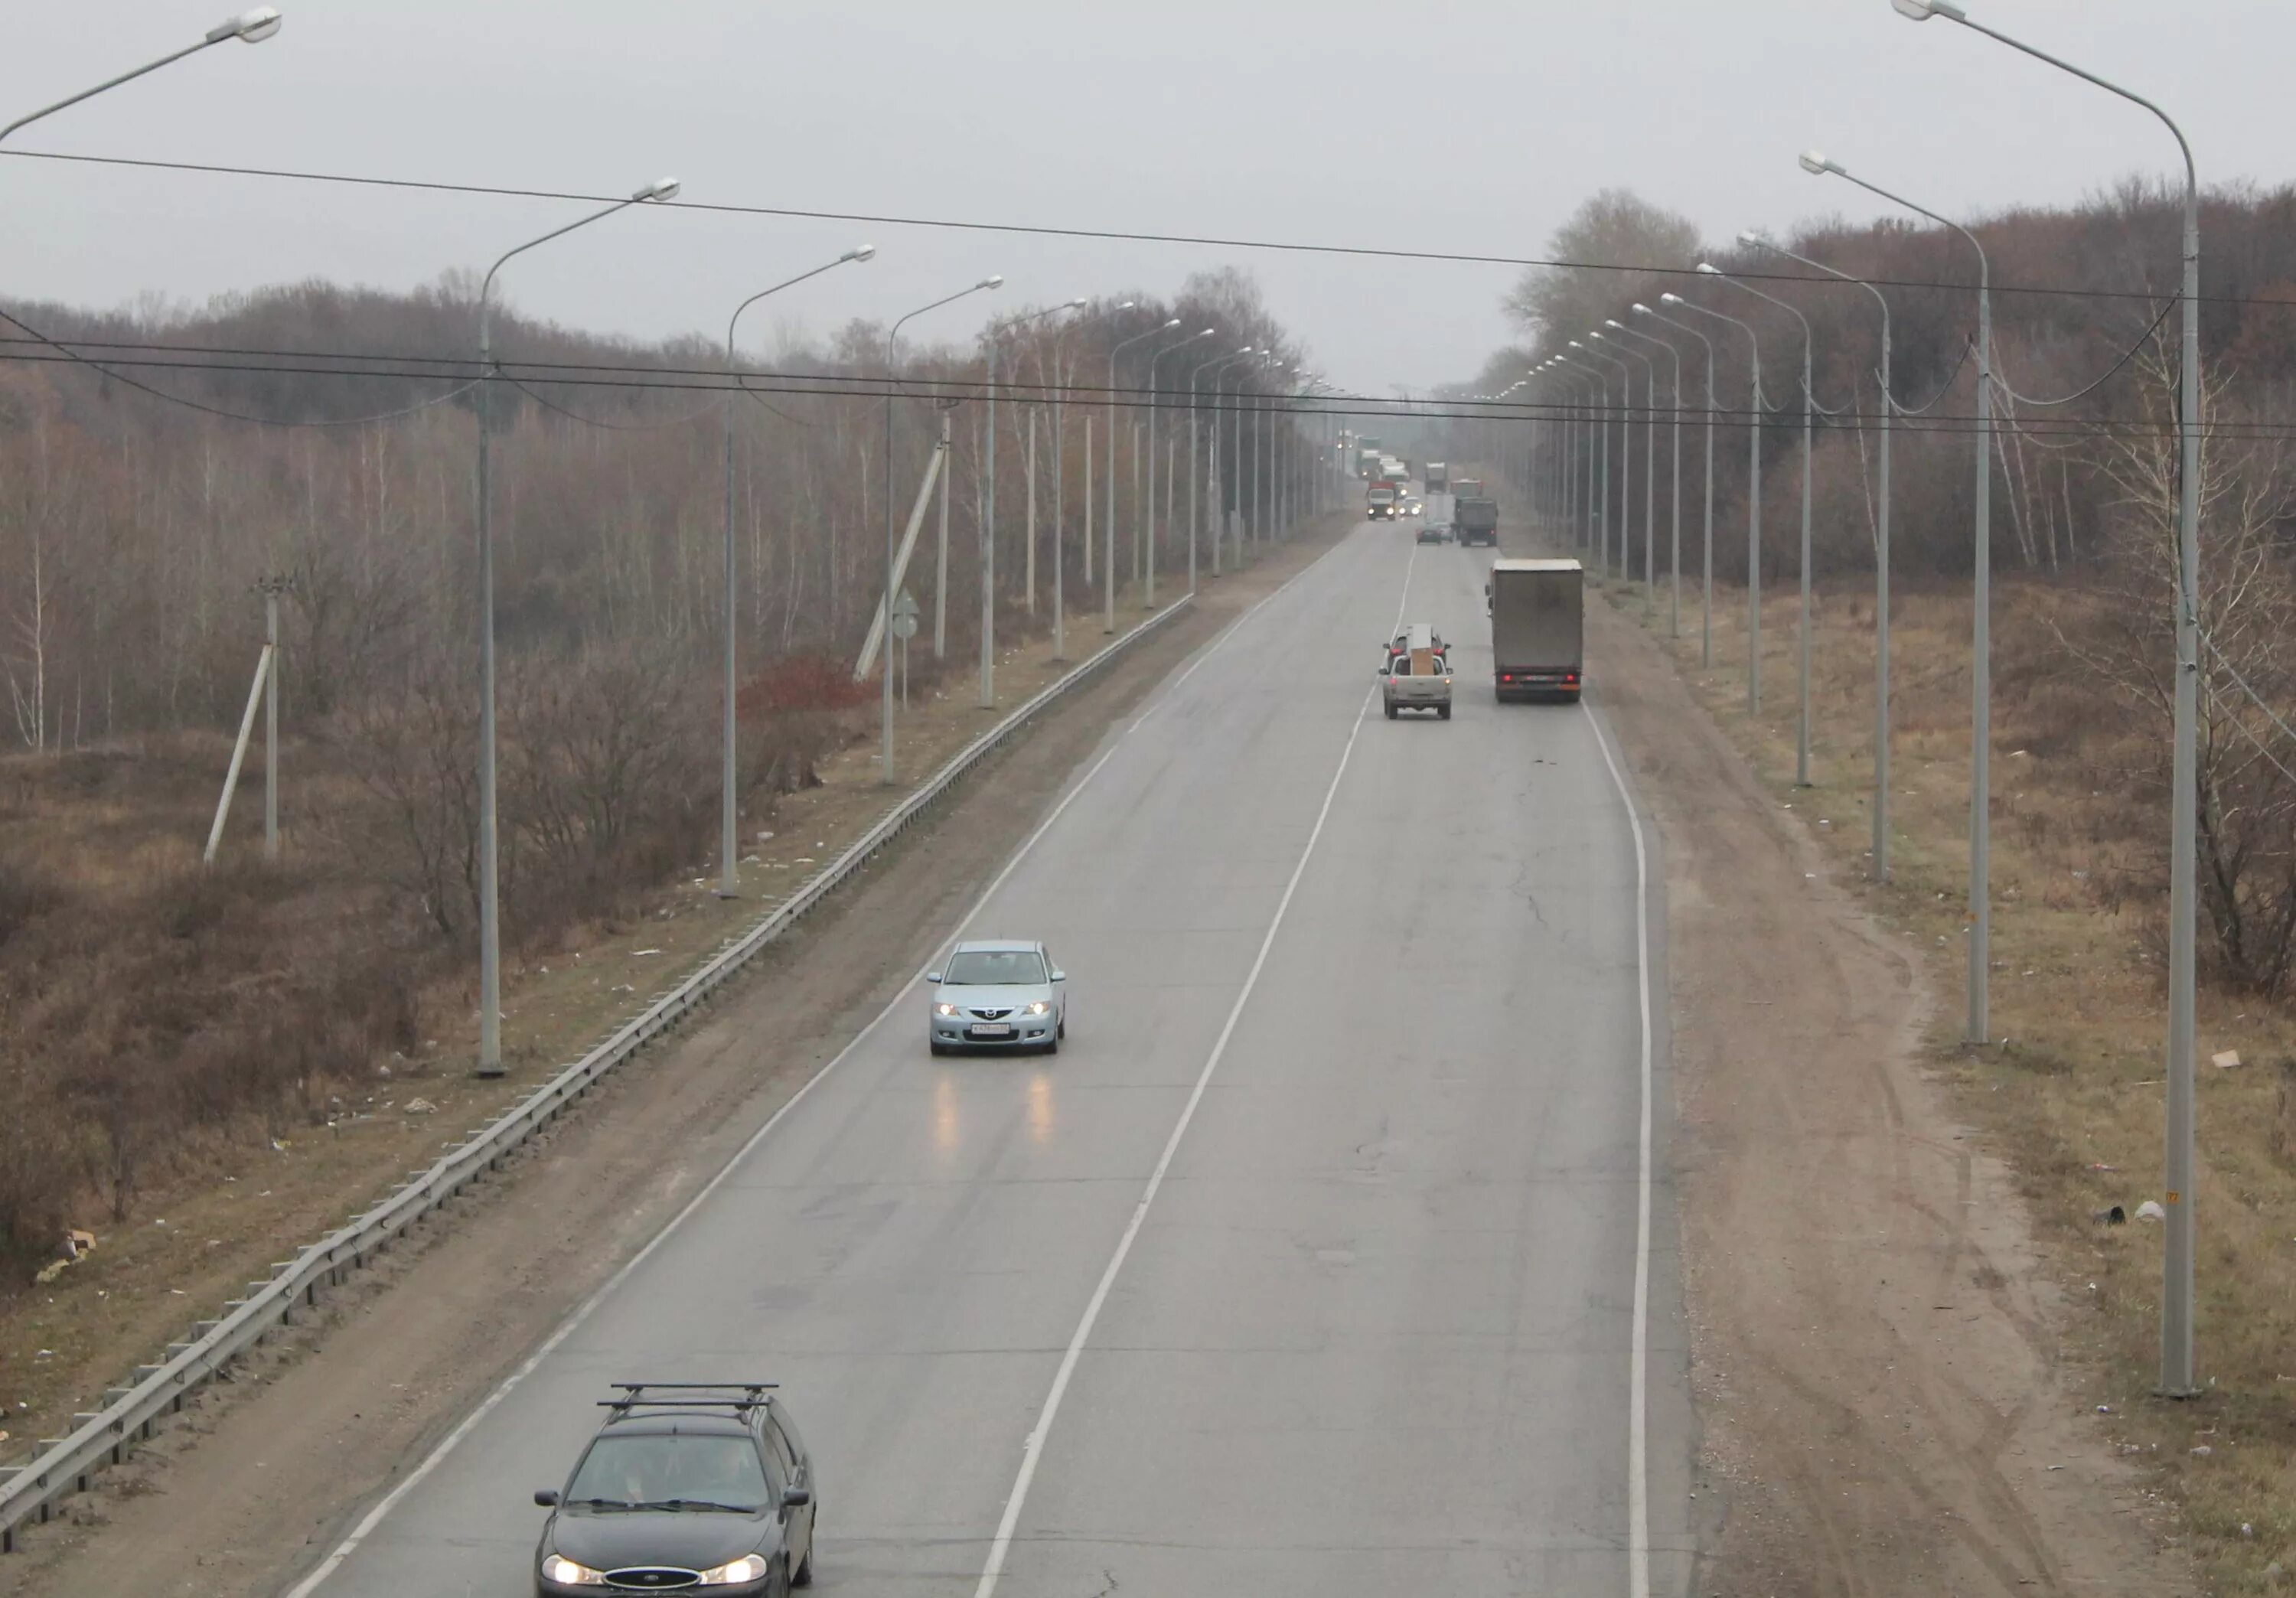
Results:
1417 674
1538 628
1476 521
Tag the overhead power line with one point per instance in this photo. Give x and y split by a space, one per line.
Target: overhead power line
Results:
942 388
1041 230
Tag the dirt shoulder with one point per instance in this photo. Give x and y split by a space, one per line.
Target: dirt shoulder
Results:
1876 1340
263 1471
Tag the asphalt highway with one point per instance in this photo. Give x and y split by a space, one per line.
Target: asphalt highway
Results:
1317 1262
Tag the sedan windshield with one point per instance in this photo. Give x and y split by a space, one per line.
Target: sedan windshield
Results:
993 968
668 1470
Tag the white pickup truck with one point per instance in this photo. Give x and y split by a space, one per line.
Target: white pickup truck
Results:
1417 673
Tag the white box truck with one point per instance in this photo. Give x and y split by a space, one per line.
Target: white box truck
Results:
1538 628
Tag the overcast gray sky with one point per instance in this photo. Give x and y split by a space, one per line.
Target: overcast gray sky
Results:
1461 125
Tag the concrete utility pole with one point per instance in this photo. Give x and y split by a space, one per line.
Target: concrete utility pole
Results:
885 774
271 588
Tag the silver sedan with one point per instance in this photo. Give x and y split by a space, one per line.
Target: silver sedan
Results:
997 994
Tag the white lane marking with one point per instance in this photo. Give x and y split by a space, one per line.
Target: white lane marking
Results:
1033 1448
582 1313
1638 1380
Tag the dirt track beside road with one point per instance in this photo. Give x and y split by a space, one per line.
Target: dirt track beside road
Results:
1874 1357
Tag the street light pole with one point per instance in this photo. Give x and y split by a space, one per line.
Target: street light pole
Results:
1196 482
1978 1023
1154 542
892 345
2176 1379
1650 467
489 855
1625 463
1674 495
728 878
1753 503
249 28
1235 449
987 557
1881 568
1706 613
1600 528
1809 414
1164 326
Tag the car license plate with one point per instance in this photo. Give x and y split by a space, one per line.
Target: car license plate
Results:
992 1029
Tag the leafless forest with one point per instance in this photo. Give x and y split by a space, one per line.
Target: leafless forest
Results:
150 1009
2083 484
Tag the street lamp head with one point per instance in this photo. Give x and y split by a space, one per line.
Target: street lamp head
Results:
1760 241
1921 11
1207 333
1127 304
1175 322
1671 298
996 281
860 252
1238 354
249 28
1709 268
660 188
1576 345
1814 162
1643 310
1078 304
1614 322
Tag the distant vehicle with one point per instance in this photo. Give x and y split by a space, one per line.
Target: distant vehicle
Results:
1367 457
1538 628
1392 466
686 1484
1467 488
1438 477
1415 507
1434 532
997 994
1477 520
1379 502
1416 675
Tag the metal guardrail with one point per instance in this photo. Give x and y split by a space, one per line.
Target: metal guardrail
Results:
65 1465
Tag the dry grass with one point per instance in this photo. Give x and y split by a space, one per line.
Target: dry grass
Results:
219 1201
2070 1091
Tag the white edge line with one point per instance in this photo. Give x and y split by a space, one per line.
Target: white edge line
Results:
1638 1377
447 1445
1032 1448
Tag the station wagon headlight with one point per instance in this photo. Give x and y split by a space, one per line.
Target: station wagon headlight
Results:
1038 1007
943 1009
564 1572
749 1567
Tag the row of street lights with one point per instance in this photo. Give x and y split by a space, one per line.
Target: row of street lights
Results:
264 22
2177 1370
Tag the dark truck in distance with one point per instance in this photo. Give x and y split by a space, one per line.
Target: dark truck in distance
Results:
1475 519
1538 628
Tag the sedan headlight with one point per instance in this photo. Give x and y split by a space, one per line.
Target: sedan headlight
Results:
1038 1007
943 1009
564 1572
749 1567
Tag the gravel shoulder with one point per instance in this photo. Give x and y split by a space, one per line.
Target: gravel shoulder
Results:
260 1471
1875 1341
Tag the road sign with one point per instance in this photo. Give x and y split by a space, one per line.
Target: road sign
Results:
904 616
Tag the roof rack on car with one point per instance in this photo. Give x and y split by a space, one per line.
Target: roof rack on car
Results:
730 1395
